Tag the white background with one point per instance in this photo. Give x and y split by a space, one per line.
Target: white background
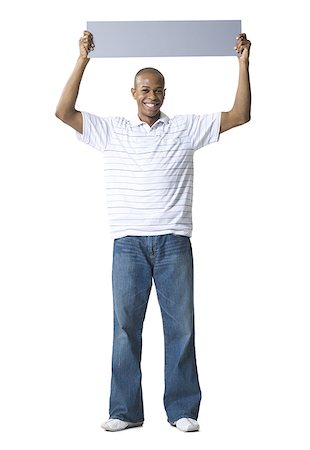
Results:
250 241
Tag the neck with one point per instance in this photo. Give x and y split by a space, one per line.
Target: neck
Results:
149 120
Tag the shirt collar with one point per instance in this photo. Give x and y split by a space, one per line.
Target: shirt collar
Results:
136 121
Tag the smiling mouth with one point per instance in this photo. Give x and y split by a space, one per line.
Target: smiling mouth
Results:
151 106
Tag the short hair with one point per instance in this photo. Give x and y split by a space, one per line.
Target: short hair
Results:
150 70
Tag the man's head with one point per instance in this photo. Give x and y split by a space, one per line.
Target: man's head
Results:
149 92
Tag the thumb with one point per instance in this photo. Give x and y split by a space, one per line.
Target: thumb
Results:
245 54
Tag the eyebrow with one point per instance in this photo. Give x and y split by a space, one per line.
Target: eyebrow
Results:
157 87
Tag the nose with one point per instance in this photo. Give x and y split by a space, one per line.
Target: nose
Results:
152 94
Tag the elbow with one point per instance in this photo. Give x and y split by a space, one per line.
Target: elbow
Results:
62 115
244 118
237 118
247 118
58 114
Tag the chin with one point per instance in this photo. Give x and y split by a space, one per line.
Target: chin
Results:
151 113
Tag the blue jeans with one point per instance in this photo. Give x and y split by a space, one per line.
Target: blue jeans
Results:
136 261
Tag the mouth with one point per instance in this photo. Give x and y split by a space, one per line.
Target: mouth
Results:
151 106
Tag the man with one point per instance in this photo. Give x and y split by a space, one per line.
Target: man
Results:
149 181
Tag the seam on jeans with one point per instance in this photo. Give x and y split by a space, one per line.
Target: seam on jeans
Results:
161 306
142 290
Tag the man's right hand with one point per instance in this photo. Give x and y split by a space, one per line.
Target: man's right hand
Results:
86 44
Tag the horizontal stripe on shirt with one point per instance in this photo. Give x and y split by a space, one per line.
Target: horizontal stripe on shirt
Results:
149 170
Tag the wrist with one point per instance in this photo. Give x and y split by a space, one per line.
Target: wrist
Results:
83 60
243 64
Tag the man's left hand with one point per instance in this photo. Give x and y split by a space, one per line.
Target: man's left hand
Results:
243 47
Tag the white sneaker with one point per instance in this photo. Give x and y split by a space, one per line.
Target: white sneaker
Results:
186 424
119 425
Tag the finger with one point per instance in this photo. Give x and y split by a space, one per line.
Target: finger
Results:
242 40
241 36
90 45
87 42
242 44
83 43
90 39
87 33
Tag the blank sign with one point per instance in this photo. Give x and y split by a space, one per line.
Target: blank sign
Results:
164 38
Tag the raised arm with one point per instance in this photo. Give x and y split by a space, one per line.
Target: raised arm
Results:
65 110
241 110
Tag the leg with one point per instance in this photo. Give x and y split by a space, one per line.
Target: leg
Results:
173 276
132 281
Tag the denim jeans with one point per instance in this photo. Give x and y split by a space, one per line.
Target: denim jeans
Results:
136 261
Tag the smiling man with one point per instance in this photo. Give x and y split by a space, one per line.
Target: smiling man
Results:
149 181
149 92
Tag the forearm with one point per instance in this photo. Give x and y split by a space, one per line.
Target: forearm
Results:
242 104
66 104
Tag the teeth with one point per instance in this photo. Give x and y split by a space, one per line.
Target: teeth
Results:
150 105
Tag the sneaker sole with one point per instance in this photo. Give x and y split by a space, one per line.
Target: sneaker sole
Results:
185 431
130 425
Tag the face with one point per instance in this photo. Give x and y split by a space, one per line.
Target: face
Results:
149 94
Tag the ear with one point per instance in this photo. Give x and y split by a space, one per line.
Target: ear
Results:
133 92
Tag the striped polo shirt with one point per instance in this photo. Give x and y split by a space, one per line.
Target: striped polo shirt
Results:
149 170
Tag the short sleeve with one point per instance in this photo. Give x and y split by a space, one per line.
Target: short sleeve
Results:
204 129
96 131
